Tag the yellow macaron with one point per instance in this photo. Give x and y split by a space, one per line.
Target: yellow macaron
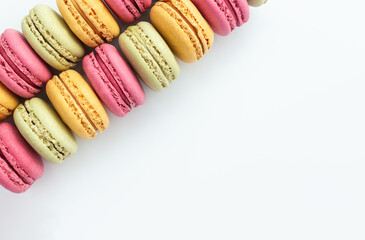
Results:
8 102
77 104
183 27
90 20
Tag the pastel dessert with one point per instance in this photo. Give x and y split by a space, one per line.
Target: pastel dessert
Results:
90 20
149 55
43 129
113 80
8 102
21 70
50 37
77 104
20 165
183 27
256 3
224 15
129 11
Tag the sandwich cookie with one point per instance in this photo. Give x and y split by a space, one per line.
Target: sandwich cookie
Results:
77 104
90 20
149 55
44 130
224 15
50 37
256 3
20 165
113 80
21 70
8 102
183 27
129 11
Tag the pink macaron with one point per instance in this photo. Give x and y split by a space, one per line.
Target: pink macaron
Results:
21 69
20 165
129 11
113 80
224 15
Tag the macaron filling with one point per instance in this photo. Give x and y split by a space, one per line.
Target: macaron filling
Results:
132 7
12 170
135 7
124 99
5 111
30 118
45 43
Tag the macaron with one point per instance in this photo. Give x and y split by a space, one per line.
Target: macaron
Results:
90 20
149 55
128 11
8 102
224 15
20 165
43 129
256 3
77 104
21 69
113 80
50 37
183 27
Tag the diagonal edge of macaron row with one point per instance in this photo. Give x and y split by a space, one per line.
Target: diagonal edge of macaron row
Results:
181 28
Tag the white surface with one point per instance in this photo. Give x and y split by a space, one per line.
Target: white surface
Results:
262 139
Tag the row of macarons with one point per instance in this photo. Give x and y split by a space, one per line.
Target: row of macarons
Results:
43 131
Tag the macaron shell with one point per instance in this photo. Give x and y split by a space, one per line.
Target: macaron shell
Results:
8 102
27 162
256 3
51 123
77 104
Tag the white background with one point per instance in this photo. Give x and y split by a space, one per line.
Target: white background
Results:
262 139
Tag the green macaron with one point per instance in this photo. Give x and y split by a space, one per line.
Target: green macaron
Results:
149 55
44 130
51 38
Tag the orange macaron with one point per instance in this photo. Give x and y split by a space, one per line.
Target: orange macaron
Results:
77 104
